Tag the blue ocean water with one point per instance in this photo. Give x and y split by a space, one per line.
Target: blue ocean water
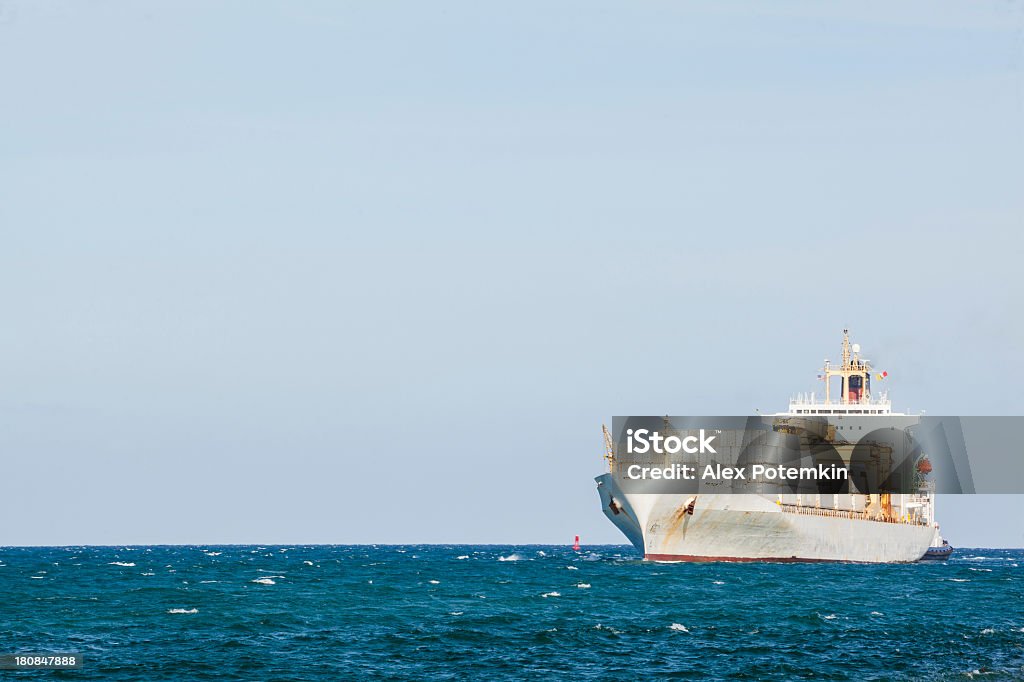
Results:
451 612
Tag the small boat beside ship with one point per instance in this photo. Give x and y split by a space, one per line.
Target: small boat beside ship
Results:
939 550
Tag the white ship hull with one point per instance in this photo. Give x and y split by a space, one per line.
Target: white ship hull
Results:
755 528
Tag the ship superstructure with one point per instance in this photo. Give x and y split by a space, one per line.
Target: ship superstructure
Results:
787 526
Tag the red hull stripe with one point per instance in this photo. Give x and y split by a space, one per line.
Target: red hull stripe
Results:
692 557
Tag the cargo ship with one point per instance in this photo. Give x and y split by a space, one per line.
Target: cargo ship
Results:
798 527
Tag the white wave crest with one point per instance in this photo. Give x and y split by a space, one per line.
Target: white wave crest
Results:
463 556
264 581
510 557
678 628
572 568
583 586
435 582
121 563
552 594
183 611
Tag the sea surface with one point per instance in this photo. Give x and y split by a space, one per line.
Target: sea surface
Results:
492 612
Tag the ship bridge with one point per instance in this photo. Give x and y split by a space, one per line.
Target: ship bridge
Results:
854 396
809 403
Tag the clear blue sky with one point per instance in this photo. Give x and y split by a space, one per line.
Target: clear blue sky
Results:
377 272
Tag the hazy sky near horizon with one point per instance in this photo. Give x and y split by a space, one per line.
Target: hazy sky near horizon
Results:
377 272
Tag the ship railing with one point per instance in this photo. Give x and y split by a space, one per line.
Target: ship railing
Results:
851 514
841 403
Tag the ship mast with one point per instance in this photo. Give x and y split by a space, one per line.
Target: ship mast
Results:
854 373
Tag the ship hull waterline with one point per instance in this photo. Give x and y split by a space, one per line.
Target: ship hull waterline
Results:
752 528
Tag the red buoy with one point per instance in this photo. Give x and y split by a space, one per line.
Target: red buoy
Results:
576 545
